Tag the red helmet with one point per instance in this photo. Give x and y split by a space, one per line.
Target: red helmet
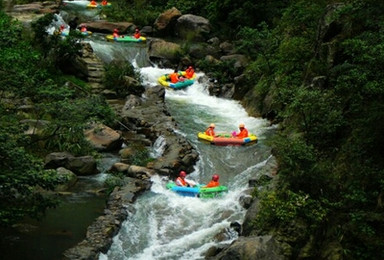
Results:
215 177
182 174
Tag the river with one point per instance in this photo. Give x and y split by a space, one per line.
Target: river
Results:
165 225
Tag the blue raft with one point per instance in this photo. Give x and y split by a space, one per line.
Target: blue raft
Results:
198 190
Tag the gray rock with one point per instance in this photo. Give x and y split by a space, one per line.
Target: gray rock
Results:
192 27
103 138
258 247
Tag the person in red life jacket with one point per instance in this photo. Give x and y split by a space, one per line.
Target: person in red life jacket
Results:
214 182
243 132
189 72
83 28
116 34
180 181
104 2
174 77
137 34
62 27
183 182
210 130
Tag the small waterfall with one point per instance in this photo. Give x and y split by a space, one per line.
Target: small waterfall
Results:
158 147
168 226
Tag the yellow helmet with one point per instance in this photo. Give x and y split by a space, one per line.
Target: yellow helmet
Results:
212 125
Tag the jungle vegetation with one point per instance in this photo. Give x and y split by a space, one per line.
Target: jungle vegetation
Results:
33 89
330 111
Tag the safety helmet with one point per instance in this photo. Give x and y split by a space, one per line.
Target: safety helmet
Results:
182 174
215 177
241 125
212 125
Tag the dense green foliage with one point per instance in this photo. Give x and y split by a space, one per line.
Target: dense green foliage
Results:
31 88
114 76
320 65
223 15
330 146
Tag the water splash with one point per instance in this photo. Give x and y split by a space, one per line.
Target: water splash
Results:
158 147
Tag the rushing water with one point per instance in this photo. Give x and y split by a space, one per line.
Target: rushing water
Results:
167 226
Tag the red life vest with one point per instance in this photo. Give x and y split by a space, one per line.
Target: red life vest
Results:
181 182
212 184
243 133
174 77
137 35
189 73
210 131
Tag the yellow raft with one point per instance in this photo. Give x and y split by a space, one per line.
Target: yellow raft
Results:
166 81
227 139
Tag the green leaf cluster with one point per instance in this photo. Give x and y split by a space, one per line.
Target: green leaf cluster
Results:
115 73
330 113
32 87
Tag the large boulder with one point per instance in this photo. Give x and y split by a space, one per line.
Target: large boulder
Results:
108 27
192 27
27 13
84 165
68 177
103 138
131 102
239 61
132 171
201 50
257 247
164 53
132 86
166 21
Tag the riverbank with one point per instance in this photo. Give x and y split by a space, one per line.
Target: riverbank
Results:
141 118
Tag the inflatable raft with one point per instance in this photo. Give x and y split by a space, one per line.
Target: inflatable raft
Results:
197 191
125 38
90 6
165 81
227 139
